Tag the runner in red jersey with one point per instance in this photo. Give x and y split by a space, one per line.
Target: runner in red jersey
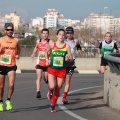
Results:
41 46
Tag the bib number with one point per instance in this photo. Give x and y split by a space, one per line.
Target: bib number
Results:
42 55
6 59
58 61
106 53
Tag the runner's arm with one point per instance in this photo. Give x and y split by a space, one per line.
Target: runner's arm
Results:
46 53
18 49
70 58
35 49
116 48
99 50
78 46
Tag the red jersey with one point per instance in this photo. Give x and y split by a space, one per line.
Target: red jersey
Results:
42 46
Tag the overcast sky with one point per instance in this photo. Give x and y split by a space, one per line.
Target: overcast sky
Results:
74 9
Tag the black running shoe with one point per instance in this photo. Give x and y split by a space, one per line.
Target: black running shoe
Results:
38 94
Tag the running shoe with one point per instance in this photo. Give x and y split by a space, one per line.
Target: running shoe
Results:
64 100
8 105
1 107
38 94
52 108
49 95
46 81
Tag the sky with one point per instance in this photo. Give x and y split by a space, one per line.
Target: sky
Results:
72 9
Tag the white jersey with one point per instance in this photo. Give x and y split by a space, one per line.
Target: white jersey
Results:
72 45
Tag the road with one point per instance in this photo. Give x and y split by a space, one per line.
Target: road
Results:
85 100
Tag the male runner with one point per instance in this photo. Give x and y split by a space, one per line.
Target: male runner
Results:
9 52
41 46
74 45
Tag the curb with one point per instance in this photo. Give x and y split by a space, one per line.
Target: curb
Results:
76 71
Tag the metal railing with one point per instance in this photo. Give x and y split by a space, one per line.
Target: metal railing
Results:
113 62
87 51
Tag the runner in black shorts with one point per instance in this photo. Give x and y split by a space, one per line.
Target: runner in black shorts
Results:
9 52
106 46
41 46
74 45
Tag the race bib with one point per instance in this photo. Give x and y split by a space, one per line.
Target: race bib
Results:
58 61
106 53
42 55
6 59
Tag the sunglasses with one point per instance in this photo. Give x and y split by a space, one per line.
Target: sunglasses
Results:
9 29
69 32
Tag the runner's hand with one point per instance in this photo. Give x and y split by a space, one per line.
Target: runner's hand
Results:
80 51
100 55
66 58
32 55
17 56
47 62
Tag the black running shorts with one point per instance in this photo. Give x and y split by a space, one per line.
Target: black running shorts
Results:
5 69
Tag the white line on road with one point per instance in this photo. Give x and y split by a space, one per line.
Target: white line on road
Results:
61 106
88 71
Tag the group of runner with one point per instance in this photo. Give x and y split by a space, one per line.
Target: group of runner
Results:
55 59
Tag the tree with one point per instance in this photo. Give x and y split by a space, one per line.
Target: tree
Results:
29 40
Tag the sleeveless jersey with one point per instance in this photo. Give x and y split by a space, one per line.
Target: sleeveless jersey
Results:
107 48
57 57
9 50
41 53
72 45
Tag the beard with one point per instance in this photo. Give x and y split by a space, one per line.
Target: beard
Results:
9 35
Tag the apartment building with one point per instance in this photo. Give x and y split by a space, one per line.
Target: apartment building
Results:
100 22
50 18
14 18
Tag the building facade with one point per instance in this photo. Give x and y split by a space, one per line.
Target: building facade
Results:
14 18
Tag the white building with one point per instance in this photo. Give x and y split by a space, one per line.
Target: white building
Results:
50 19
14 18
100 22
62 21
37 21
74 23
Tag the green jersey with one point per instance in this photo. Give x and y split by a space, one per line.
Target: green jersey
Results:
107 48
57 57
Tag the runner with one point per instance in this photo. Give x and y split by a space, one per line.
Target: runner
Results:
9 52
74 45
41 46
57 69
106 46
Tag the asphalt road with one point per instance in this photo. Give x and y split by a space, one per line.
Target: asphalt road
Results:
85 100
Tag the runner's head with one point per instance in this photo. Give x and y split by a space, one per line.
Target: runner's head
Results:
69 33
9 29
108 37
60 35
44 33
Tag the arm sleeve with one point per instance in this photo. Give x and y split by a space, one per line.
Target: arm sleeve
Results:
115 46
78 47
100 46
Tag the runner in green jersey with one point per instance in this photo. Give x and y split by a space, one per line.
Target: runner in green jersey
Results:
107 46
57 68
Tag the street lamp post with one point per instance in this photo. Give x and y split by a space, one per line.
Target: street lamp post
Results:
104 27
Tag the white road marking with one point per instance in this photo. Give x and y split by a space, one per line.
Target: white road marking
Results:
88 71
61 106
